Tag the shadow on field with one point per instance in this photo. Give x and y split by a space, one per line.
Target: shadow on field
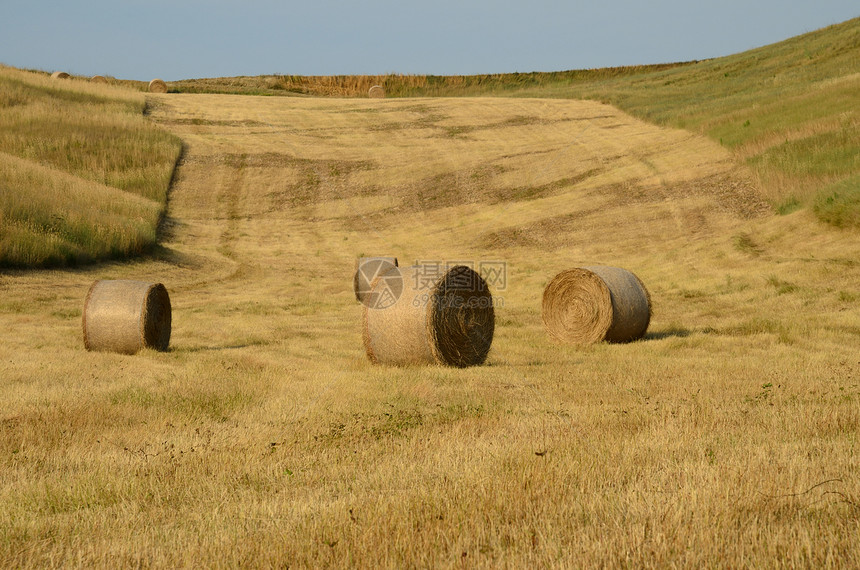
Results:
176 258
676 332
194 349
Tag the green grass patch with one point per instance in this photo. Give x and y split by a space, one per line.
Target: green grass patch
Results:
789 205
828 154
782 287
839 203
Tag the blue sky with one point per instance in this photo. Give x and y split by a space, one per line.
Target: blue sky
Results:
186 39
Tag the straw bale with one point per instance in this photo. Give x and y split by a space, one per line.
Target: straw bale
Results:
98 79
438 317
591 304
60 75
376 92
157 86
125 316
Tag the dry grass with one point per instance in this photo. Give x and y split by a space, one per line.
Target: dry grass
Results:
727 437
53 218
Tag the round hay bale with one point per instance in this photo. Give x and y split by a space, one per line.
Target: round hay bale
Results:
125 316
366 270
376 92
438 317
157 86
60 75
591 304
98 79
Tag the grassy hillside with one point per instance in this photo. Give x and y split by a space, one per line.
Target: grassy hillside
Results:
85 174
789 110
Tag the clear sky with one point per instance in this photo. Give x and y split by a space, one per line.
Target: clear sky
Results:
187 39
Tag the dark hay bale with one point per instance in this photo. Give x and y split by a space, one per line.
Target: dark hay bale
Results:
426 316
125 316
591 304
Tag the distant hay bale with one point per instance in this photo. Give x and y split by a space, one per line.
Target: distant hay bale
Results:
60 75
157 86
590 304
366 270
424 315
125 316
98 79
376 92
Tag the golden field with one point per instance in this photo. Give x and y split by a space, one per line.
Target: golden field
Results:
727 437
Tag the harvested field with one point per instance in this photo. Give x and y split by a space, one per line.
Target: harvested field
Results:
265 436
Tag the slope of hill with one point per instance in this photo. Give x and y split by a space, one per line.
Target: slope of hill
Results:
265 437
789 110
84 175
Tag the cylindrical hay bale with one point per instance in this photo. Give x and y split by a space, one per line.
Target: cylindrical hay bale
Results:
157 86
376 92
426 315
60 75
125 316
591 304
98 79
366 270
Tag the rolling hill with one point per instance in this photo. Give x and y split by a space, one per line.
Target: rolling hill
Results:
265 437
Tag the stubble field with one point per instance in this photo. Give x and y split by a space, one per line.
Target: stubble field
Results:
264 437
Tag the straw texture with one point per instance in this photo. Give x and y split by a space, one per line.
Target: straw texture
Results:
157 86
125 316
591 304
441 317
366 270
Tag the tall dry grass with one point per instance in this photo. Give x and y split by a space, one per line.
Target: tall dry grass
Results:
53 218
85 153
